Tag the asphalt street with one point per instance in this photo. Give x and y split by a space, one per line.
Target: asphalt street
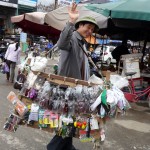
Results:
129 132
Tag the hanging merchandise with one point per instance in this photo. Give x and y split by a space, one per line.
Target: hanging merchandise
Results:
118 81
12 123
25 64
33 112
41 121
39 83
32 93
30 80
33 62
20 107
21 78
38 63
70 107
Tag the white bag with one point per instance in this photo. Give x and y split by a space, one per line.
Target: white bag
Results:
94 123
111 98
96 103
118 81
38 63
30 79
24 64
96 80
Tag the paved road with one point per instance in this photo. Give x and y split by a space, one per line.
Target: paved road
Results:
131 132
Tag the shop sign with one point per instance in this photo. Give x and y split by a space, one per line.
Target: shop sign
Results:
23 37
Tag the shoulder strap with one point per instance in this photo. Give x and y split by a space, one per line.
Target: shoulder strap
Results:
90 60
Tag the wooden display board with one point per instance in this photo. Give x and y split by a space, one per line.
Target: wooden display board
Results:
72 82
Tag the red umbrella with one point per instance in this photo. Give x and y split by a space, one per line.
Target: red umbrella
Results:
33 23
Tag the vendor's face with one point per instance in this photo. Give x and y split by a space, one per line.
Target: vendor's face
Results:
86 30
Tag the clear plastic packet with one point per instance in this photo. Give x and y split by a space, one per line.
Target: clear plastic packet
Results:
39 82
45 91
71 108
68 93
56 105
78 91
31 79
119 81
20 107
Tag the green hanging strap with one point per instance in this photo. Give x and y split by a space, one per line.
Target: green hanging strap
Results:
103 97
104 101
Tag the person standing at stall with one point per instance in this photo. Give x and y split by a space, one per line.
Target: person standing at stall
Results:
134 50
73 61
12 57
120 50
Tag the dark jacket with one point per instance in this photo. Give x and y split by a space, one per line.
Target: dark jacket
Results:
120 50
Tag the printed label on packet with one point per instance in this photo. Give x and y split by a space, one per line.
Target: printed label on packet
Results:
12 97
19 106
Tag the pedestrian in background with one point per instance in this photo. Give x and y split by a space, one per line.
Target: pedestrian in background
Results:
12 57
120 50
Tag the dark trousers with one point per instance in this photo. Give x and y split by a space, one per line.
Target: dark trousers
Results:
58 143
11 74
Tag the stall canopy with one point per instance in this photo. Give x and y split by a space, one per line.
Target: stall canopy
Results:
59 17
33 23
125 9
126 16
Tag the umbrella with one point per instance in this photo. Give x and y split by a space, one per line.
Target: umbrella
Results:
124 9
59 17
33 23
130 17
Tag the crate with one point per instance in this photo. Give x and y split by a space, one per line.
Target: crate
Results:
131 64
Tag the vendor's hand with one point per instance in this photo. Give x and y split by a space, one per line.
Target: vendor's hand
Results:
73 13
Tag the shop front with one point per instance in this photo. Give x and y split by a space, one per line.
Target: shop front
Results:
26 6
8 8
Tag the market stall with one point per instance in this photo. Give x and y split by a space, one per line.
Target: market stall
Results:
67 106
33 23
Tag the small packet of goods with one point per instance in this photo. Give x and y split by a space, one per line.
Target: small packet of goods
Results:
53 120
46 117
41 119
20 107
34 112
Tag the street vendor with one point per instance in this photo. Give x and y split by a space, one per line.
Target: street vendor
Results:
73 61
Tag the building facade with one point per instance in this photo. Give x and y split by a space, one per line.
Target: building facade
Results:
8 8
26 6
45 5
49 5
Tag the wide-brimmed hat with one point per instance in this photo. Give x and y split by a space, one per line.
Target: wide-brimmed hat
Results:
87 19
